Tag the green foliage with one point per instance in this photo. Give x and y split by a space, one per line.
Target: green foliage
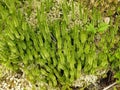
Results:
50 52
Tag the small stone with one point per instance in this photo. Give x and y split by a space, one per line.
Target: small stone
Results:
107 20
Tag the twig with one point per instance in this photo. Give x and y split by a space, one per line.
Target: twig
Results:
109 86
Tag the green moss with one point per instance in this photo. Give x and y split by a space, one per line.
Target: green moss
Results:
55 50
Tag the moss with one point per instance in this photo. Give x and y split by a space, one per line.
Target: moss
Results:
59 41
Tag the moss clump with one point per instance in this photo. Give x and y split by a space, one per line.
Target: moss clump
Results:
58 51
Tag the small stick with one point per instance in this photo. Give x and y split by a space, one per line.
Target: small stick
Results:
109 86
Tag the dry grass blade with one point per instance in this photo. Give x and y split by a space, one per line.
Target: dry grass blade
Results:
111 85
